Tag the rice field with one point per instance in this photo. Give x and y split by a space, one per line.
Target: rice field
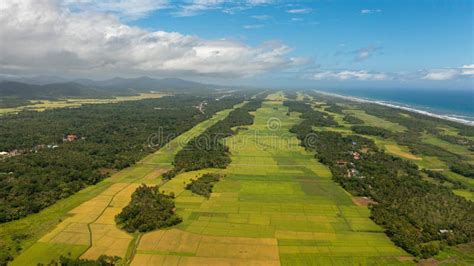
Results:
41 105
404 153
276 205
374 121
88 228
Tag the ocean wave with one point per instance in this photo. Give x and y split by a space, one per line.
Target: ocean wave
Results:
467 120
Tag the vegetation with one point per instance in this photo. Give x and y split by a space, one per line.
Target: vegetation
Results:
353 120
55 219
13 94
110 137
372 131
269 191
208 150
443 178
148 210
334 108
463 168
417 125
103 260
204 184
419 216
278 191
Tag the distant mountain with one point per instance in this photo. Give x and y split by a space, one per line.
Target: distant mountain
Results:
37 80
147 84
16 92
13 89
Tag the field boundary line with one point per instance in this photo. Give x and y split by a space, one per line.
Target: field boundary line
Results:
101 213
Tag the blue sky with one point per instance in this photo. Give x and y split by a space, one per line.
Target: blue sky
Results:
277 43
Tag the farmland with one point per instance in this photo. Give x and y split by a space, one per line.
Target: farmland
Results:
275 204
41 105
87 227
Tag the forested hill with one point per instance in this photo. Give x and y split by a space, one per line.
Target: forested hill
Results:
19 92
147 84
92 88
56 90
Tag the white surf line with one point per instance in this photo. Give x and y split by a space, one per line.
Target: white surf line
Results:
453 118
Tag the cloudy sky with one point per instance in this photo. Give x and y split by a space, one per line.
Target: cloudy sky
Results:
371 43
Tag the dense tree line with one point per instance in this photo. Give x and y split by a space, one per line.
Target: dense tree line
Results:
443 178
333 107
208 149
417 215
148 210
353 120
110 137
204 184
372 131
310 118
103 260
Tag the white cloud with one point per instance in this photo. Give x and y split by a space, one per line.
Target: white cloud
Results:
449 73
254 26
370 11
39 35
441 74
467 70
297 19
259 2
366 52
350 75
262 17
299 11
128 9
195 7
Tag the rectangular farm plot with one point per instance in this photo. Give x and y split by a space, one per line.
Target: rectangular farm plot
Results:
175 241
107 239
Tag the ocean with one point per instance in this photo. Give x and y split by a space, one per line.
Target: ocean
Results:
451 104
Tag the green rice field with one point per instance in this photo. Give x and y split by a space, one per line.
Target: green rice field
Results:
276 205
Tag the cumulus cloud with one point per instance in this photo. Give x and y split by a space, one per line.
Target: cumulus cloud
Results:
39 35
370 11
449 73
350 75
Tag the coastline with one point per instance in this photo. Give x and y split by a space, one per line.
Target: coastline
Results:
449 117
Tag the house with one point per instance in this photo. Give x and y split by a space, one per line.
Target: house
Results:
352 172
356 155
70 137
341 163
15 152
444 231
3 153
